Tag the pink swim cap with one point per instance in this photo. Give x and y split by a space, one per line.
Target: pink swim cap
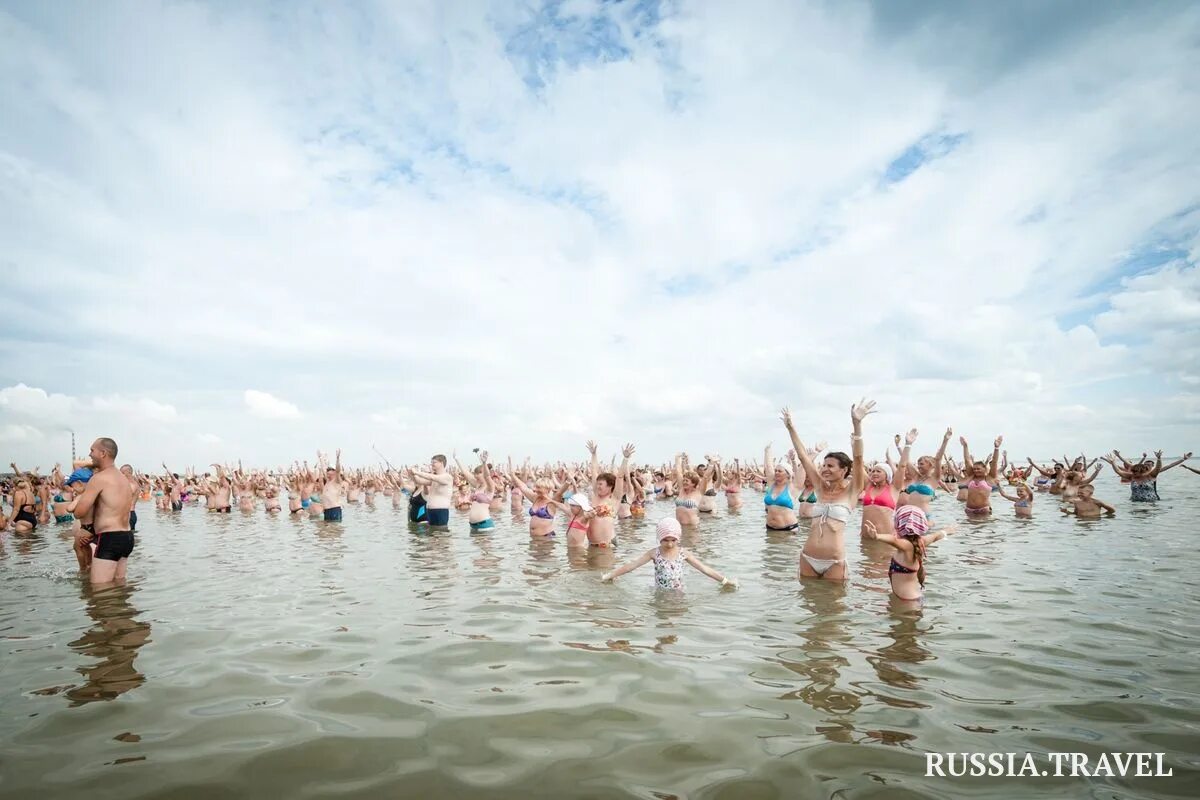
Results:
668 527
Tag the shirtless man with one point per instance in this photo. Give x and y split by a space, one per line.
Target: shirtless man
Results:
219 499
106 498
437 487
176 489
331 492
136 488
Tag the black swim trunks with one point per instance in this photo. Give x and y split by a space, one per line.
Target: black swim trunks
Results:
114 545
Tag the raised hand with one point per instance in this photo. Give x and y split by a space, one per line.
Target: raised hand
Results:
962 440
627 450
910 437
949 433
786 416
1158 453
860 411
999 440
897 441
591 446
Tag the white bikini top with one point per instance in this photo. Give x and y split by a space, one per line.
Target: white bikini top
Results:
827 511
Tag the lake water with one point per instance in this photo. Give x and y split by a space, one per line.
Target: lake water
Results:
269 657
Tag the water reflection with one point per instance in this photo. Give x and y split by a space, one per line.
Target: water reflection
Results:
114 640
821 656
905 649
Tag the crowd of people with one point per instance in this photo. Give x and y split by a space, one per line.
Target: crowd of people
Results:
812 491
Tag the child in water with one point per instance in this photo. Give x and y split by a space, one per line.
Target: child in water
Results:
668 560
1022 500
906 572
1086 506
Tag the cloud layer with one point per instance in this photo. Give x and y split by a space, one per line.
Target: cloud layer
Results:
438 225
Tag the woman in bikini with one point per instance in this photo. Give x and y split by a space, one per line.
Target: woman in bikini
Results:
982 478
906 572
780 497
636 492
840 481
879 499
606 489
733 487
708 501
1073 481
691 489
928 471
479 514
543 508
1022 501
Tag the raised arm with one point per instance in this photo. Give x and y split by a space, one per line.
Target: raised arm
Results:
967 462
941 453
595 461
994 471
858 472
488 484
900 476
1045 474
801 450
467 474
623 482
1094 474
1161 469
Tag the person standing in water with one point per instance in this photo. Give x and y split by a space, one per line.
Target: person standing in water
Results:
437 485
332 491
107 498
840 481
906 574
1143 477
983 476
669 559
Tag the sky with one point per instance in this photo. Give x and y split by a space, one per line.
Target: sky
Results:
258 230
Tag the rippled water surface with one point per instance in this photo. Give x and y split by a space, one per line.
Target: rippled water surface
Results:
270 657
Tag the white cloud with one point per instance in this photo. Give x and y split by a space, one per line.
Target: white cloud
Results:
33 403
14 433
267 406
663 239
142 408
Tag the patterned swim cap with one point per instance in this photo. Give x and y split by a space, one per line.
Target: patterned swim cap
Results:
910 520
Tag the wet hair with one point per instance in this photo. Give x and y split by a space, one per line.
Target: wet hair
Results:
844 460
441 458
108 446
608 478
918 544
